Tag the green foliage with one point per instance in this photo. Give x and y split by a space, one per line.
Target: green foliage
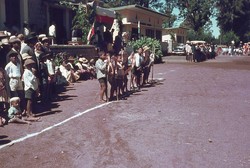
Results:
228 37
196 14
201 35
59 57
84 17
234 16
153 44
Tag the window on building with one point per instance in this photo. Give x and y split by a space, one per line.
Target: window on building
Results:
150 33
180 39
158 35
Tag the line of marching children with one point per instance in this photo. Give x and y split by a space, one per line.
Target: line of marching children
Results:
114 68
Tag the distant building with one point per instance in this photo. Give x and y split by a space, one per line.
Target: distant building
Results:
139 21
174 36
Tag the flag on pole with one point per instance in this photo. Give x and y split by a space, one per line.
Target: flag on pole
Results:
91 32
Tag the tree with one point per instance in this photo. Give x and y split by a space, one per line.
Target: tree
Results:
153 44
169 8
231 14
228 37
83 18
196 14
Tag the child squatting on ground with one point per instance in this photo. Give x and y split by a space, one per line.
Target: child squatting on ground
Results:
14 112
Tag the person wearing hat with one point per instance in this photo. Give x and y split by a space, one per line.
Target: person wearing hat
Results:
30 87
26 56
46 44
31 40
41 36
14 112
84 68
44 76
16 46
23 44
188 50
4 49
13 71
145 65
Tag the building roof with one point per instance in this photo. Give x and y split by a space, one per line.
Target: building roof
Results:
137 7
175 28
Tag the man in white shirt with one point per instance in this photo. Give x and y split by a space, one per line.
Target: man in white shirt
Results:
13 71
52 32
188 50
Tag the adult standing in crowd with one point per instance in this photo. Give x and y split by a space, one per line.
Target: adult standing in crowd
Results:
13 71
26 28
108 40
30 40
52 32
118 43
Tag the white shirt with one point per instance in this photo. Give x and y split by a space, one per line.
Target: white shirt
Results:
188 48
52 30
138 59
26 31
100 68
12 70
30 80
50 67
23 44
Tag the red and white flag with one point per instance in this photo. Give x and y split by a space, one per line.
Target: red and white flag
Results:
91 32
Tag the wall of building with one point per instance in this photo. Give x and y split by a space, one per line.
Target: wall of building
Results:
37 16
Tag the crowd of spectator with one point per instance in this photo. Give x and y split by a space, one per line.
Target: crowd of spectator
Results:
29 73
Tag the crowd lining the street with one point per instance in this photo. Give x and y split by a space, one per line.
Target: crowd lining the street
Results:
28 73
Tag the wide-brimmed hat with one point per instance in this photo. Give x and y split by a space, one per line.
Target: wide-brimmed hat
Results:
40 36
12 53
29 61
29 38
14 39
44 39
26 56
14 99
2 34
145 48
83 60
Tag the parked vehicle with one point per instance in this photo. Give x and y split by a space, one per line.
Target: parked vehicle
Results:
179 50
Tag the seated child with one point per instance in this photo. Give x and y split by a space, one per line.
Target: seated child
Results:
14 112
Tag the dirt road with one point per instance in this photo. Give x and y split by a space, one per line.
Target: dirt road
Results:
196 116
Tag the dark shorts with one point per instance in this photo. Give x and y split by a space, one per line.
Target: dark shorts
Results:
102 80
30 94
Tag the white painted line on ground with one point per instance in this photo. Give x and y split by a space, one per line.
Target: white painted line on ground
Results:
53 126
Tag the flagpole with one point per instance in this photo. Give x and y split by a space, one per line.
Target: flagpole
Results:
139 29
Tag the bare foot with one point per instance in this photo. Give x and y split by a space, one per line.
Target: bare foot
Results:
31 118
